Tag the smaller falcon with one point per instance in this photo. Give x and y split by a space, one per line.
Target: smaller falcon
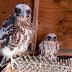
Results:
49 47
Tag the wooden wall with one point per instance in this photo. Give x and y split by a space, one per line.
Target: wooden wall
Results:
55 16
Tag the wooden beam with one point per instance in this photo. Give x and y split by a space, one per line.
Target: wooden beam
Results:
62 52
0 50
35 22
31 52
65 52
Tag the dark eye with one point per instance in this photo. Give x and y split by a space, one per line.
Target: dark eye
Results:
49 37
28 11
17 10
54 37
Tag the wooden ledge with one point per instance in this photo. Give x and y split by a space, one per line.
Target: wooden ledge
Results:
62 52
31 52
65 52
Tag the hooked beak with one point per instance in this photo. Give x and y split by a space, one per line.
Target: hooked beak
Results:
52 39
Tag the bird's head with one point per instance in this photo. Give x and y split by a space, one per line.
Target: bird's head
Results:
22 10
51 37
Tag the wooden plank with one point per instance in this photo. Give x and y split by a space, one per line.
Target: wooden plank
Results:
56 17
8 70
31 52
62 52
35 22
65 52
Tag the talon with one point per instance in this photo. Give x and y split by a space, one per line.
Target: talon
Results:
14 64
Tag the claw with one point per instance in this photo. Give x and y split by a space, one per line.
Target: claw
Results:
14 64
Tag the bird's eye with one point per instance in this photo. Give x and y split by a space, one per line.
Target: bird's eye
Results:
28 11
54 37
49 37
17 10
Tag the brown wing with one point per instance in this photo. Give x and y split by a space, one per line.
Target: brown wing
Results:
6 35
14 43
7 31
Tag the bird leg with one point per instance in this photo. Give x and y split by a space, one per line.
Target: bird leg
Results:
4 61
14 64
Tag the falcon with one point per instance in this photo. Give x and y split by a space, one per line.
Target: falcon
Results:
49 47
16 33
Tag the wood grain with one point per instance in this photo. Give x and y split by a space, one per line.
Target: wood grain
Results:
65 52
35 22
55 16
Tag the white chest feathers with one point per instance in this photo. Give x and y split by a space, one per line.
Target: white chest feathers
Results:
50 45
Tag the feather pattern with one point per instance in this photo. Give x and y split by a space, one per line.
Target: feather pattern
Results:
49 48
17 32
